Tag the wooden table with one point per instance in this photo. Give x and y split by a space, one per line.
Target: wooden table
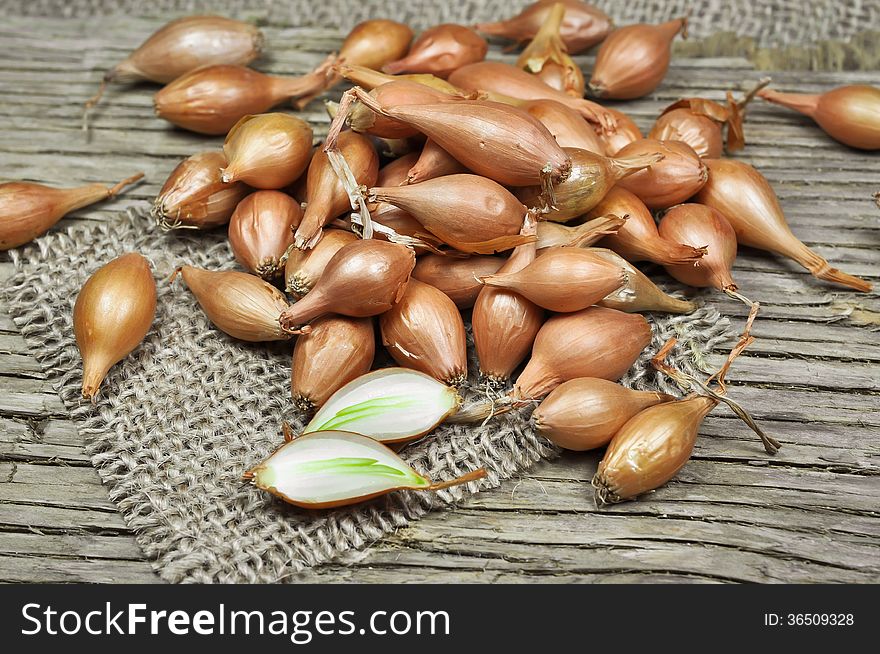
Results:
809 514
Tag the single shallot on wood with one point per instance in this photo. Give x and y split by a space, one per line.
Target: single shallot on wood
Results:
748 202
849 114
28 210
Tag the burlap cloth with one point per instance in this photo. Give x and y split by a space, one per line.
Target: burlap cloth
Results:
181 418
771 23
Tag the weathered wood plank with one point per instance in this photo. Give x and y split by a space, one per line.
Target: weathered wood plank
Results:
18 569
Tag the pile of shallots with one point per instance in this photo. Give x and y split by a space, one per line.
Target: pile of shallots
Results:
449 186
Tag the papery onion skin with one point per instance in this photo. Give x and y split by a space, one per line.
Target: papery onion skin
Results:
625 133
335 351
547 57
457 278
112 315
304 267
479 134
700 132
424 331
751 207
500 78
370 44
592 177
671 181
440 50
583 414
633 60
194 196
267 151
849 114
326 197
469 212
638 238
260 231
562 279
552 234
505 323
594 342
211 100
433 162
239 304
374 43
650 449
189 43
364 278
583 26
567 126
28 210
395 94
639 294
696 223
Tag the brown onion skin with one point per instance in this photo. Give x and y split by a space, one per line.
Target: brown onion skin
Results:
454 208
592 177
506 80
211 100
260 231
671 181
583 414
627 132
304 267
364 278
239 304
336 351
583 26
440 50
433 162
751 207
567 126
650 449
639 294
562 279
594 342
374 43
704 227
112 315
547 57
189 43
700 132
194 196
370 44
326 198
849 114
395 94
505 323
479 133
28 210
633 60
267 151
424 331
638 238
458 278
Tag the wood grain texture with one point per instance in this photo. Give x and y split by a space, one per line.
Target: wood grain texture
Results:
808 515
